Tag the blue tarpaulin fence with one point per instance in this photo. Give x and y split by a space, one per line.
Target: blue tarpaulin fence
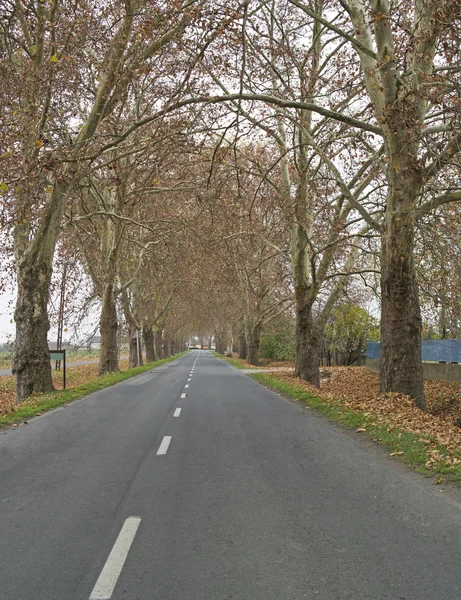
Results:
445 351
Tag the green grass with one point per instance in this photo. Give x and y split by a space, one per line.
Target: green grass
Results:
40 403
81 354
5 360
412 451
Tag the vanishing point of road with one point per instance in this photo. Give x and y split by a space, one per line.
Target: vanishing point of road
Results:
194 482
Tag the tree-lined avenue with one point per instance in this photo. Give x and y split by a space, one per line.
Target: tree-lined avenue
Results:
254 499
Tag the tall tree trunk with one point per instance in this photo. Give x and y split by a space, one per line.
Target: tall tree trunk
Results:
167 346
34 267
135 360
243 349
158 344
148 337
218 344
108 324
308 343
31 356
401 323
253 346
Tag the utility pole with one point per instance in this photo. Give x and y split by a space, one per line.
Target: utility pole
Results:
61 313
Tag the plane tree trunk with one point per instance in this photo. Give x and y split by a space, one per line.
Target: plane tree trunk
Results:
34 266
158 344
31 356
253 345
308 341
108 357
135 359
401 323
148 337
219 345
243 349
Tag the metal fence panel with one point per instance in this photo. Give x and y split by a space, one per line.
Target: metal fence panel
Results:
446 351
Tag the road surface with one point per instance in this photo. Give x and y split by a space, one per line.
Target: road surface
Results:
152 490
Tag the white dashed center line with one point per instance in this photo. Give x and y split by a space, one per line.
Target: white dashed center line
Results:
190 379
109 575
163 448
183 395
186 386
177 412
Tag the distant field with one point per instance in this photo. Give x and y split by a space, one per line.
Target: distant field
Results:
71 356
5 360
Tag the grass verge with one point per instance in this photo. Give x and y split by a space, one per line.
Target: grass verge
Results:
409 448
40 403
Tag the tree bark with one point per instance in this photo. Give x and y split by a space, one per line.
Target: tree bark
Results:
148 337
243 349
134 361
167 347
253 346
158 344
219 345
108 324
401 323
308 344
31 356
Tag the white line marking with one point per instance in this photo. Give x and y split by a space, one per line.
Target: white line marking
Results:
177 412
190 379
183 395
186 386
114 564
193 367
163 448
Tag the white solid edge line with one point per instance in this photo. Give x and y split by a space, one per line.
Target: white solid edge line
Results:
163 448
177 412
187 385
183 395
114 564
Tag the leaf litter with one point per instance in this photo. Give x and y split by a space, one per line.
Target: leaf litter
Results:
76 376
357 389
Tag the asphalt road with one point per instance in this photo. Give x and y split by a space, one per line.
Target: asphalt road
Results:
252 499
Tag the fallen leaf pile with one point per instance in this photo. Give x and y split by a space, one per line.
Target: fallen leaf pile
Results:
274 364
75 376
357 389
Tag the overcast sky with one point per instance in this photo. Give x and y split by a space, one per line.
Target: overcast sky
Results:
6 315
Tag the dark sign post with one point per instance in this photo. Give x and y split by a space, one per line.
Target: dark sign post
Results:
60 355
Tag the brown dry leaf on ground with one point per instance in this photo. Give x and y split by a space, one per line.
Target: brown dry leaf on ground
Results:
356 388
274 364
75 376
7 394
